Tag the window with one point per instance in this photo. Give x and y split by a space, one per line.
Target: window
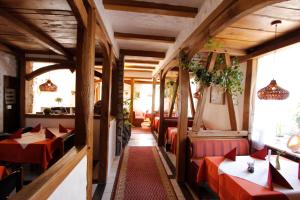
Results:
277 120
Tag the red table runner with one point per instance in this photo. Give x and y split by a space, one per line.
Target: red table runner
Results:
234 188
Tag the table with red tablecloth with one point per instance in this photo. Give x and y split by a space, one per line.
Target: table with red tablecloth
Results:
40 152
3 172
234 188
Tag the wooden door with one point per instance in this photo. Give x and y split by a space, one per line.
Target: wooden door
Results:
11 112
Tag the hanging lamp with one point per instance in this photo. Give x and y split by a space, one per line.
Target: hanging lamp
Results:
48 86
273 91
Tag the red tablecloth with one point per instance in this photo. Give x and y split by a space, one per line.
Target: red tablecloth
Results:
35 153
234 188
3 172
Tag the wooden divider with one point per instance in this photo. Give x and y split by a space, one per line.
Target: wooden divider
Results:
43 186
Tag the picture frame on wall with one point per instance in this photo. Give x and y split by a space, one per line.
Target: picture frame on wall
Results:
217 95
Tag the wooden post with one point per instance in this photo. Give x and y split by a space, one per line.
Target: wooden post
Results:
22 72
247 93
119 117
105 115
131 100
231 112
198 118
182 124
85 91
174 97
161 133
153 95
191 100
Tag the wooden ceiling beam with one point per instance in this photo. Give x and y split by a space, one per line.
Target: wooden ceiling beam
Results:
152 54
152 8
138 67
152 62
226 14
141 37
271 45
34 32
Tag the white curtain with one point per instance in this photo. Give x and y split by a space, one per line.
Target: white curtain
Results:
276 118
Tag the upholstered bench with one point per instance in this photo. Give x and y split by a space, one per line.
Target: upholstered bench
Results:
198 148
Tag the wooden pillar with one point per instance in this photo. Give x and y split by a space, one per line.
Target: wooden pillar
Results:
85 91
119 117
131 100
105 115
153 95
198 118
247 93
191 100
22 86
174 98
182 124
231 111
161 133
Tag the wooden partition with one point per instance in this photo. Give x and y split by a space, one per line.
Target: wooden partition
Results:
43 186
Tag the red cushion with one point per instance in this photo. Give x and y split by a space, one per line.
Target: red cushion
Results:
217 147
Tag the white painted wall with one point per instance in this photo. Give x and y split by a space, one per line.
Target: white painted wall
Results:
8 66
111 144
74 185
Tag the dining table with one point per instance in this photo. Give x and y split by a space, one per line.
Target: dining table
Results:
33 148
234 183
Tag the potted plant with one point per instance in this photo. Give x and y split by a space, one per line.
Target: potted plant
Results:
47 111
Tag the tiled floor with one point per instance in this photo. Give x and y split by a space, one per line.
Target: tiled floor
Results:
139 139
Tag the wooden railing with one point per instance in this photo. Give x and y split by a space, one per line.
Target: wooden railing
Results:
43 186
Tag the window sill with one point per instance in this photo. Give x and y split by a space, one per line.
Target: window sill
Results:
280 144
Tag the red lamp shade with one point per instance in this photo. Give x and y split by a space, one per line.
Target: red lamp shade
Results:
273 92
48 86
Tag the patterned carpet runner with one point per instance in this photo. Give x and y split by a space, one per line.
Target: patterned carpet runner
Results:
142 176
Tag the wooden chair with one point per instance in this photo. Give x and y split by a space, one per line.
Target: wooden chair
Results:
9 183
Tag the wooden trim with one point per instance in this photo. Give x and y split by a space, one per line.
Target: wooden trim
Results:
247 94
182 124
152 62
198 118
174 97
30 29
137 77
48 68
174 63
150 38
231 51
282 41
137 70
151 54
6 49
152 8
217 133
161 134
43 186
231 111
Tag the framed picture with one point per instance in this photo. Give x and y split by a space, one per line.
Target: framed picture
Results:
217 95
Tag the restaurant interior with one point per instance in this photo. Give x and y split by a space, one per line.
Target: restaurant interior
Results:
149 99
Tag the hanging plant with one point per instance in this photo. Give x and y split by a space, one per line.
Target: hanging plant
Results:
170 87
228 77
